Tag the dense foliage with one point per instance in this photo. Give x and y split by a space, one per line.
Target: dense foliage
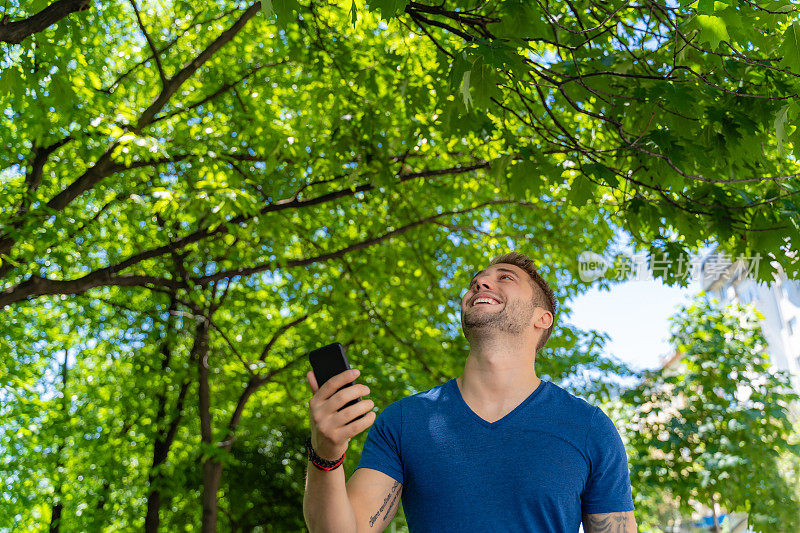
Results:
192 196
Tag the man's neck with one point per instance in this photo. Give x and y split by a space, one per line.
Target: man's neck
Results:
497 382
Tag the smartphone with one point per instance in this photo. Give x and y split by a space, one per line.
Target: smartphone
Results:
330 361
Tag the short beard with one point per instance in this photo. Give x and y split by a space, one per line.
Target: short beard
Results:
512 320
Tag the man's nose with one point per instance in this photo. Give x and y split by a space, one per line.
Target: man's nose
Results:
483 281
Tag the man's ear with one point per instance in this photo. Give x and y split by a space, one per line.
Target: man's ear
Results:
543 318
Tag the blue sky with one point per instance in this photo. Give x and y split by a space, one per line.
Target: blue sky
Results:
636 316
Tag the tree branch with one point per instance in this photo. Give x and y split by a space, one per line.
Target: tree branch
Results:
205 280
156 55
38 286
109 276
222 89
103 168
255 382
110 89
16 32
174 83
283 329
33 177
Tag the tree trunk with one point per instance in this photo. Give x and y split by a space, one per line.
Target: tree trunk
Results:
212 473
714 510
55 518
151 518
212 469
58 505
165 437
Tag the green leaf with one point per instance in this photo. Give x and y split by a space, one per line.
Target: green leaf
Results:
500 165
457 121
790 47
474 77
705 6
519 20
353 13
464 90
524 180
580 191
602 173
794 137
744 196
284 9
388 8
37 5
712 30
458 78
709 6
7 259
483 81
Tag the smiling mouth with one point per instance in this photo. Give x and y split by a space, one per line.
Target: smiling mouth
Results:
485 303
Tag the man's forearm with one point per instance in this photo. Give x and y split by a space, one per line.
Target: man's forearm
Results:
326 506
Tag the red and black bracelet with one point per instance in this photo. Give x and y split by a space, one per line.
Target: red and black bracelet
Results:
319 462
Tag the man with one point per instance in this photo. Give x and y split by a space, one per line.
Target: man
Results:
496 449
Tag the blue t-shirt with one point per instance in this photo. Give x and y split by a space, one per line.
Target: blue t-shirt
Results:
534 470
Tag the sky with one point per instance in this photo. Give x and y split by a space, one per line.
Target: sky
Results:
636 315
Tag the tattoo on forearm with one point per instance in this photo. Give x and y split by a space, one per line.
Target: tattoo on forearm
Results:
607 522
392 491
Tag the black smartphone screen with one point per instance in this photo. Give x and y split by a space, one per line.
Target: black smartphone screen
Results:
330 361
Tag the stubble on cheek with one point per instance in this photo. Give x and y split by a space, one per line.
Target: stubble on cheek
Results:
508 319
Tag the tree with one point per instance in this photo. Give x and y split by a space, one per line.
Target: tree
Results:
715 428
189 273
674 118
205 193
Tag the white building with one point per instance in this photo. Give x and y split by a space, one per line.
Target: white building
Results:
730 281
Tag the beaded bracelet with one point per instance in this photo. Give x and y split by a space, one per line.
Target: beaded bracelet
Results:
319 462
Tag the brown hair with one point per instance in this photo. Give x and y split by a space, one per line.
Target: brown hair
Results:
542 293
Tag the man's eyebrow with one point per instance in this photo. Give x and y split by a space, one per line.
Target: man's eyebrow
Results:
499 269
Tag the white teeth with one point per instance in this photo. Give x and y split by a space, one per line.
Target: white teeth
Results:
484 300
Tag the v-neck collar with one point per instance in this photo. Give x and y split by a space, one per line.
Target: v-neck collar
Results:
509 415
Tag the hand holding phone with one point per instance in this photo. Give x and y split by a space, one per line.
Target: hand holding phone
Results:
336 413
327 362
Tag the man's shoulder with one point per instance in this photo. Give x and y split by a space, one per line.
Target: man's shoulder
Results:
600 428
435 394
566 401
422 400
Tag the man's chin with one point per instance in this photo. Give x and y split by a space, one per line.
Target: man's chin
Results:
479 325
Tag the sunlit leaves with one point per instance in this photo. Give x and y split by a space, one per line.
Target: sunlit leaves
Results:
711 426
279 165
712 30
